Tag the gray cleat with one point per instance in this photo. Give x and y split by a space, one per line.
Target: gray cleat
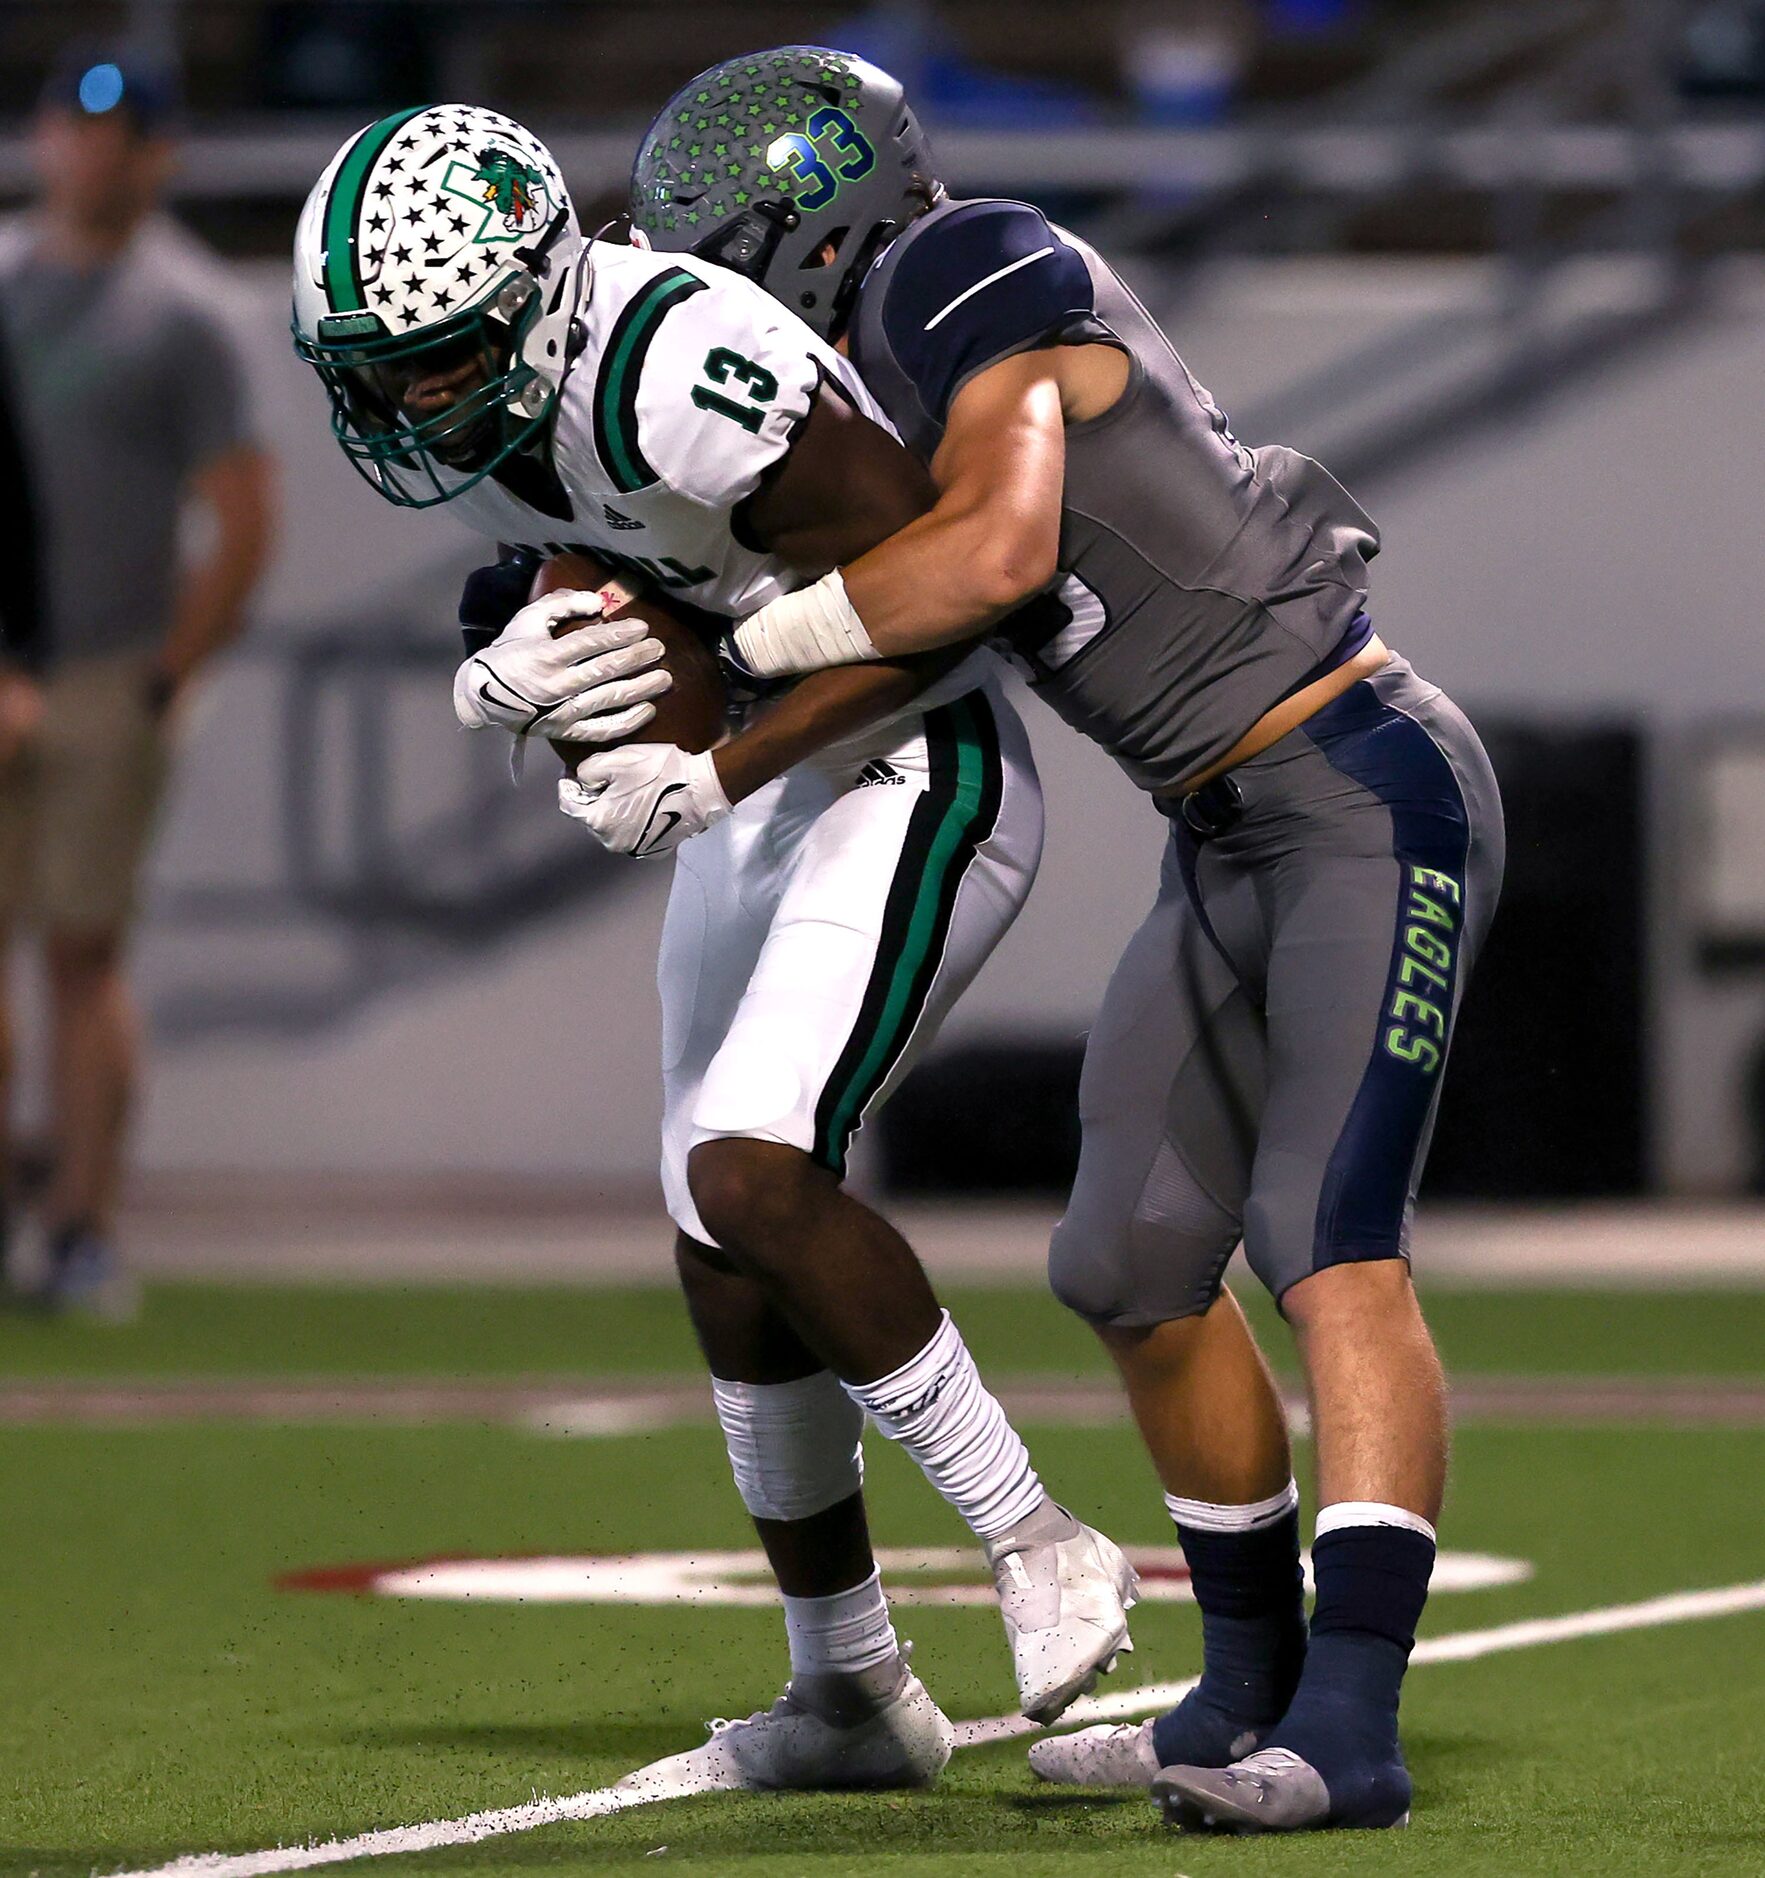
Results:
902 1741
1270 1791
1113 1755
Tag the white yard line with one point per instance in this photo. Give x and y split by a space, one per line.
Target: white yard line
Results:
1679 1607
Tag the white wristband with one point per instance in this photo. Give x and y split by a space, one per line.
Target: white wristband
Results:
804 631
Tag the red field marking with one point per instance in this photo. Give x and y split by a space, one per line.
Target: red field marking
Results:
944 1575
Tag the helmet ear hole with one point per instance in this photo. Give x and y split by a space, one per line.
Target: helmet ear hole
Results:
827 253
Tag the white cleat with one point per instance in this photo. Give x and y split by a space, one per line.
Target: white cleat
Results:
1118 1754
1065 1603
905 1743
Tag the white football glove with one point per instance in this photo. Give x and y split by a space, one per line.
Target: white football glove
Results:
592 684
646 798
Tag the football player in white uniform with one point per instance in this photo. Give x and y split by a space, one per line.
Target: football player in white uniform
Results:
663 413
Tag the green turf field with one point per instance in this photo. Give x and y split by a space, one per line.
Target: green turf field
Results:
280 1330
159 1696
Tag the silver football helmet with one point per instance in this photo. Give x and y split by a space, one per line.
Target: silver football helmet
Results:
795 167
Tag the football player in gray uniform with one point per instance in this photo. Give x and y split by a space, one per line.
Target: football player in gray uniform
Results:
1267 1063
556 392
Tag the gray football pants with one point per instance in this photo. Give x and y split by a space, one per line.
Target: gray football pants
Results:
1267 1062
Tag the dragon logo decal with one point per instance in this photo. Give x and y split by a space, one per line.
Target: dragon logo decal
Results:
510 192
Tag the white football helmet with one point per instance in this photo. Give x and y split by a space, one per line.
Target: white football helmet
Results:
434 269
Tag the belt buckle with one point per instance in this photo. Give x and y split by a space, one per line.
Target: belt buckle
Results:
1213 808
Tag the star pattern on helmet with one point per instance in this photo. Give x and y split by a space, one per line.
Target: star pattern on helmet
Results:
713 144
416 246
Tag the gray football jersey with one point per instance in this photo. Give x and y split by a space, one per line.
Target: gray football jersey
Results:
1201 581
129 378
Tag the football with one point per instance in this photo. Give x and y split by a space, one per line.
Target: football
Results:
692 713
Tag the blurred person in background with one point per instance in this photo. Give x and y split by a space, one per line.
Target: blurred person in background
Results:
128 405
21 649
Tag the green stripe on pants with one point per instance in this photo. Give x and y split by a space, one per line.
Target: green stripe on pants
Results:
949 822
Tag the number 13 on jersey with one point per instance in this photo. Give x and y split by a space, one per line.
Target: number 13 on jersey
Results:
724 367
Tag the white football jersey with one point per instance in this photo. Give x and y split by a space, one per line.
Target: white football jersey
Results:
687 385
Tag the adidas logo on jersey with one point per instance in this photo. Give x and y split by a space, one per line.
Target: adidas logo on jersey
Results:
877 772
615 519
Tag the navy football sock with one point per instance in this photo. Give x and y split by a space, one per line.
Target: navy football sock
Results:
1248 1586
1372 1581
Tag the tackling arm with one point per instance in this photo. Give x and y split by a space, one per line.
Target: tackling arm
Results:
991 540
844 486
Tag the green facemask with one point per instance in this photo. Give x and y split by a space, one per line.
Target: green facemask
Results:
417 462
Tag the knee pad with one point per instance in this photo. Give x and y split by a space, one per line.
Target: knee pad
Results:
1162 1256
1085 1271
794 1447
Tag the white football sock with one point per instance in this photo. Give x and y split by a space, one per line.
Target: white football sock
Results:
940 1411
842 1634
1370 1513
1207 1516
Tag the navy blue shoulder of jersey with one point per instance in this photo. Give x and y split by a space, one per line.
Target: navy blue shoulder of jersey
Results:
974 286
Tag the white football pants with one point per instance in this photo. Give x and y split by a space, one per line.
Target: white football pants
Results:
815 940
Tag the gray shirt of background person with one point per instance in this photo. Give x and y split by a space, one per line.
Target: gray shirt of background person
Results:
127 380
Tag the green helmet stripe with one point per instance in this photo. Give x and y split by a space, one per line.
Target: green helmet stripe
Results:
615 392
343 281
